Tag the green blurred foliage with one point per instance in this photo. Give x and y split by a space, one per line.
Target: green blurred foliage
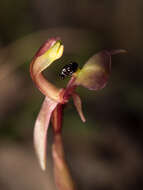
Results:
15 20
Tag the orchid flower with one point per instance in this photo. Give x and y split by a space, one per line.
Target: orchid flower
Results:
94 75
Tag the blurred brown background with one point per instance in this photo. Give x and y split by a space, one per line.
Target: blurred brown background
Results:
105 152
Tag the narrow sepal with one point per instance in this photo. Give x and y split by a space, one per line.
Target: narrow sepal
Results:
78 105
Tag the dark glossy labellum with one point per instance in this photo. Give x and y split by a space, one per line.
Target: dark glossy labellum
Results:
68 69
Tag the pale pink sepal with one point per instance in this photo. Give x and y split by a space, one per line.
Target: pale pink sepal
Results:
40 130
78 105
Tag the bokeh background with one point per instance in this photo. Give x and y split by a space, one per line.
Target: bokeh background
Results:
107 151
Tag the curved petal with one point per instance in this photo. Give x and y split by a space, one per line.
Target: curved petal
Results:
49 43
95 73
47 54
40 130
78 105
43 61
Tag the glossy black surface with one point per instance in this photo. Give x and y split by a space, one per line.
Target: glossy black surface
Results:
68 69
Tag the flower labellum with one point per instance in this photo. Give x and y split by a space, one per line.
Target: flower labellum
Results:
94 75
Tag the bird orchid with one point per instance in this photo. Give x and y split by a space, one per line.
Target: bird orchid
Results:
94 75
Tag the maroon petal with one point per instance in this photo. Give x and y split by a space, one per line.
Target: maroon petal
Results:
78 105
40 130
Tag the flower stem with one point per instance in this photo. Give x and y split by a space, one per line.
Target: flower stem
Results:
57 118
63 178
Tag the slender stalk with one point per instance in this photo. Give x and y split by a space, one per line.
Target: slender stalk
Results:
62 174
57 119
63 178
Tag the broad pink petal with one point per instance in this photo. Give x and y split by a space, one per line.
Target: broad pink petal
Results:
78 105
40 130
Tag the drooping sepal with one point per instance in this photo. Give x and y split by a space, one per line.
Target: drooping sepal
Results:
78 105
40 130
